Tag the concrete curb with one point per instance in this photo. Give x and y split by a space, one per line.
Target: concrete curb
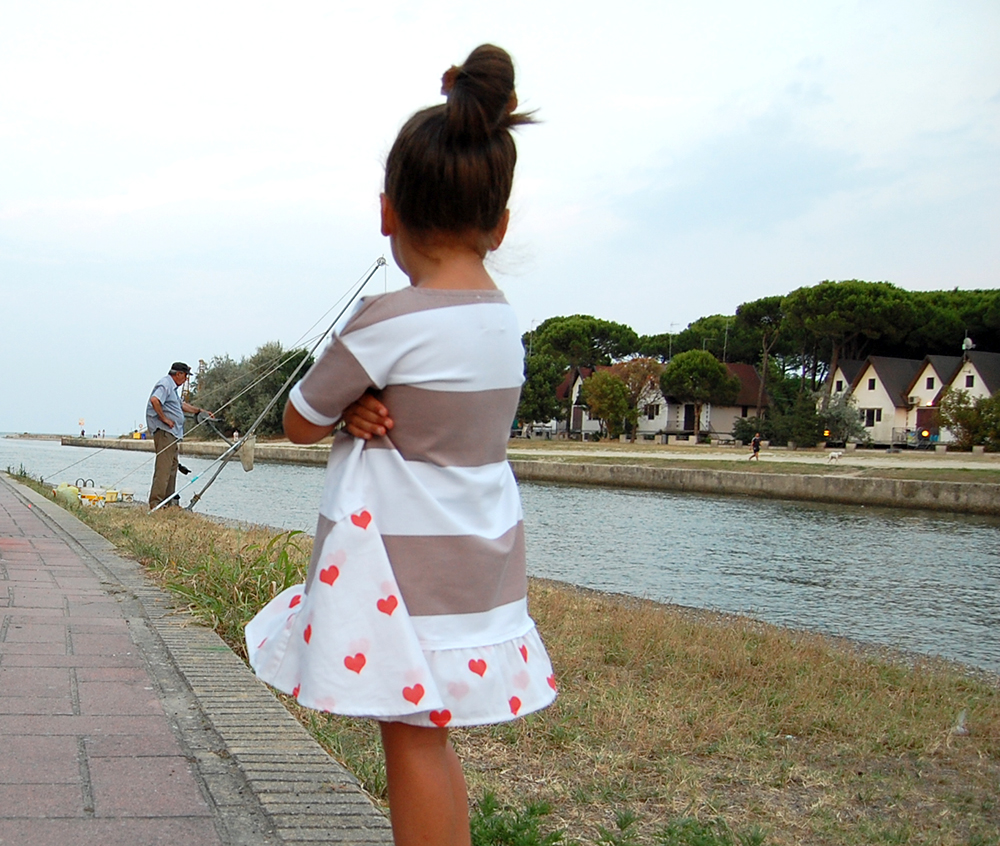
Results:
268 780
953 497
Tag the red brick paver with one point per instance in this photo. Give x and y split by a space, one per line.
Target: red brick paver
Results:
88 754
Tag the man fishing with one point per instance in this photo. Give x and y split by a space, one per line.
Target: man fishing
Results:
165 420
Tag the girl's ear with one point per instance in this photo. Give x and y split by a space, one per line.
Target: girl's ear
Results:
390 223
499 231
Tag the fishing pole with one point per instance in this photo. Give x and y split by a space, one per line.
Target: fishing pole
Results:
224 459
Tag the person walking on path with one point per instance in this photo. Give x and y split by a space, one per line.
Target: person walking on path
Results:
414 610
165 420
755 446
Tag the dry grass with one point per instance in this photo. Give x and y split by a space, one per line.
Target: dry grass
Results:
665 712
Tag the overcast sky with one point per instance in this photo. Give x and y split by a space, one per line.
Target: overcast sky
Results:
194 179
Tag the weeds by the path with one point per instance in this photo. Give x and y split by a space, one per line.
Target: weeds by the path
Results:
673 728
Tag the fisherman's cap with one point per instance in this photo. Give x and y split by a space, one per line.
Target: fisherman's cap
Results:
180 367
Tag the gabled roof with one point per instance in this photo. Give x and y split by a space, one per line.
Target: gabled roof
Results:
749 385
565 387
987 364
944 365
850 367
897 374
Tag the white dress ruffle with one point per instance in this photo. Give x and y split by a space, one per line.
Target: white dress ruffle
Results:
346 644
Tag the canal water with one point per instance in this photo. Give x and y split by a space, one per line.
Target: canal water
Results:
914 580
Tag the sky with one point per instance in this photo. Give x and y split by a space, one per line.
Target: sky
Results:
193 180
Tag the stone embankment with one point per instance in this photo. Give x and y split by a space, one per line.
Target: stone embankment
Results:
280 453
960 497
955 497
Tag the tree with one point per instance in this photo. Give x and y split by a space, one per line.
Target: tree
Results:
849 315
720 334
242 390
764 318
584 341
642 380
698 377
973 422
542 374
840 419
606 395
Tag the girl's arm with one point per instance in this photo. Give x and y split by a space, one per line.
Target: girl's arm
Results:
299 430
364 418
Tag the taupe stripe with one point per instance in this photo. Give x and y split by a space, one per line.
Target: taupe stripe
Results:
335 381
411 300
458 574
323 528
449 428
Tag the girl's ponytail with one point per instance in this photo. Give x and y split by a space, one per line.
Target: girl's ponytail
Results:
451 167
481 97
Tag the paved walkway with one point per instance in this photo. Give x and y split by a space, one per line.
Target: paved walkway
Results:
123 722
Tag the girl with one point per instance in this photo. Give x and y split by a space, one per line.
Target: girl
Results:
414 609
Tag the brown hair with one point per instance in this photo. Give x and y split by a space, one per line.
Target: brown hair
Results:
451 167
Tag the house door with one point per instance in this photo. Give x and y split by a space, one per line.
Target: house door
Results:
577 423
688 418
927 419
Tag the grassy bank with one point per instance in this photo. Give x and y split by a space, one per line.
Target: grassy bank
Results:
672 726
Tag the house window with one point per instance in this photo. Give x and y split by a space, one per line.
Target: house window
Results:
930 383
871 416
970 381
878 415
652 411
745 411
871 384
840 385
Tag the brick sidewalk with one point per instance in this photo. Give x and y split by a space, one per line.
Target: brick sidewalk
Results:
123 723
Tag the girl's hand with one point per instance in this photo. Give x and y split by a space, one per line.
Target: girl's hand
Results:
366 418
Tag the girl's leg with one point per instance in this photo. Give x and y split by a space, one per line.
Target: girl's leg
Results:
428 798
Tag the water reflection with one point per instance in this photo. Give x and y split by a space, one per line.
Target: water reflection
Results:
911 579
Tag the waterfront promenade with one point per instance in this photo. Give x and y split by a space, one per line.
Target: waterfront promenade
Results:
122 721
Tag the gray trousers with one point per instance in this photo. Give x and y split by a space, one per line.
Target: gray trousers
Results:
165 470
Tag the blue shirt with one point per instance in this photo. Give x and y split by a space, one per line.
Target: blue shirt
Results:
166 392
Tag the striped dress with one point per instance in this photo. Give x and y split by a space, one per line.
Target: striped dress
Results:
414 608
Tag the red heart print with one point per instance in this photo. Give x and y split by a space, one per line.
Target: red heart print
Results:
387 605
261 644
329 575
355 663
441 718
552 682
362 519
308 633
295 600
478 666
515 705
524 653
295 692
413 694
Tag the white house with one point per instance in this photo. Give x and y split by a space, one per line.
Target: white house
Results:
977 373
661 415
844 374
922 396
879 392
722 418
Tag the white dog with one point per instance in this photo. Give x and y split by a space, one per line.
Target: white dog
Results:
834 457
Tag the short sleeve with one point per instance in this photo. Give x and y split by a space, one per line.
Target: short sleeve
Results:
335 381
